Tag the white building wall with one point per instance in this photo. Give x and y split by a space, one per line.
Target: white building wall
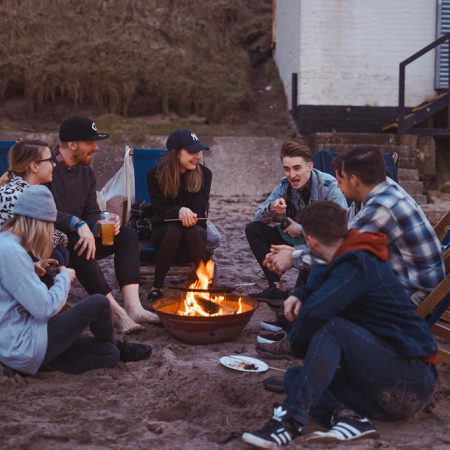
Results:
349 50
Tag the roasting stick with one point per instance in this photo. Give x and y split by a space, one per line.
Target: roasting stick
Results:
179 220
244 360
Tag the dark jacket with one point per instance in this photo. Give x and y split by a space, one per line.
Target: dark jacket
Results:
74 191
168 208
359 286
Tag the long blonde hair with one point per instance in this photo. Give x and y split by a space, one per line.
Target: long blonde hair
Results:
35 235
20 156
168 175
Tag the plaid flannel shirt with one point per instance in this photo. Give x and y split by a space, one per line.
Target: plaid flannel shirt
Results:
415 252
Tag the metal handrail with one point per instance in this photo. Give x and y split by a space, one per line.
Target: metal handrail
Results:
403 64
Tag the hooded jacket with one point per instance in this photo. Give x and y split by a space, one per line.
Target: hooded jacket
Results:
359 286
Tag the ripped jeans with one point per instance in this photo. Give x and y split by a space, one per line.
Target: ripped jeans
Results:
348 367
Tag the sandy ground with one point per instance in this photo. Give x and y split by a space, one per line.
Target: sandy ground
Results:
182 398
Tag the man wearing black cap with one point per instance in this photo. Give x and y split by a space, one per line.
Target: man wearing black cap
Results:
74 190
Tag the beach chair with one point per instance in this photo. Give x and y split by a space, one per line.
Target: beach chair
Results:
435 306
4 148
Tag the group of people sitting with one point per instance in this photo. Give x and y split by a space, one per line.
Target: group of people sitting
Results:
351 317
50 234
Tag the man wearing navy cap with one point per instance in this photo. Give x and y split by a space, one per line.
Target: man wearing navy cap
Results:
74 191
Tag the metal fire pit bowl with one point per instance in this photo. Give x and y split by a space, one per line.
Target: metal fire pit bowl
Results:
204 330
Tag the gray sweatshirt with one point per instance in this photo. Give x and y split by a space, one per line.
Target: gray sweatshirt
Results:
26 305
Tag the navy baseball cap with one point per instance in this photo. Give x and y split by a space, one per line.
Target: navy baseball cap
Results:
80 129
187 139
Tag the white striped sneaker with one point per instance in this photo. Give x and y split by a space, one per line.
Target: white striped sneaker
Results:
277 432
346 429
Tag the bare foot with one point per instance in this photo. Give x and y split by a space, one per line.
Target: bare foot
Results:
126 325
141 315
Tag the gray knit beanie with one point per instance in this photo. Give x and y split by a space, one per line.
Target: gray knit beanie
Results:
36 202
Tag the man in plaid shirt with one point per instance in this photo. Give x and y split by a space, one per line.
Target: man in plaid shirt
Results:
415 252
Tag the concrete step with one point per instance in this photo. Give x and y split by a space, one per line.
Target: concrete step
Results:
407 174
406 163
421 199
412 187
401 150
353 138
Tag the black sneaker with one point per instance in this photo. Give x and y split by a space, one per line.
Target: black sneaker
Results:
154 294
346 428
274 384
280 324
130 351
272 295
277 432
270 338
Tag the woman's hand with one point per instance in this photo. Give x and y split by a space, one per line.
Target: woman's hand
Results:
188 217
73 275
42 264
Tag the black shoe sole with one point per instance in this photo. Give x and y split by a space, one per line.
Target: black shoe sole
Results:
274 384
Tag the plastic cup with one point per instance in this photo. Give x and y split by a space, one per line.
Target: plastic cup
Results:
107 224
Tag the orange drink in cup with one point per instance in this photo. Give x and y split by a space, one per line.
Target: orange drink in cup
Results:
107 226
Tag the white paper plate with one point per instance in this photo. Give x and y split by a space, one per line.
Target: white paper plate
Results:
244 363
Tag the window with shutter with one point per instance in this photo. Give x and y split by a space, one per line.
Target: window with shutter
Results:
443 26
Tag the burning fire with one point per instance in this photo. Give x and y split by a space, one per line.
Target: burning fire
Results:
206 303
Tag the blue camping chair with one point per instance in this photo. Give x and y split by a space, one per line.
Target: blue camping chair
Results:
145 159
4 148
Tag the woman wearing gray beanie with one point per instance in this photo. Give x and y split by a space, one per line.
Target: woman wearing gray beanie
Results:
34 334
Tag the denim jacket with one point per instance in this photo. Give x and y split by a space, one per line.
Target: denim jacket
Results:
360 288
323 187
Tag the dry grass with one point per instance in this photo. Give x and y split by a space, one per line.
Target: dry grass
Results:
144 57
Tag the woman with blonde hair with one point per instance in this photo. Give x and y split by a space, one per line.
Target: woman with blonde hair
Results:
179 188
33 336
30 162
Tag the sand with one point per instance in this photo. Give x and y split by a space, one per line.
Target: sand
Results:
182 398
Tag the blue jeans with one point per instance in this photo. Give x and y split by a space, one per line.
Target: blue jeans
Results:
348 367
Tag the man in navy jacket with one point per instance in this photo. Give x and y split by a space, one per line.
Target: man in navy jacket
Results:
366 352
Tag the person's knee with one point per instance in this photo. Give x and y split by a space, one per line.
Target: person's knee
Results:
253 228
98 302
128 236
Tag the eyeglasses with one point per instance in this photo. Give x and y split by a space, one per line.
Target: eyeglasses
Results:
47 159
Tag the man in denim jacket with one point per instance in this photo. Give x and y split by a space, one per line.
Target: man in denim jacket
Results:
275 219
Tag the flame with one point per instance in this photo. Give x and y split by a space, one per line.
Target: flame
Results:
192 304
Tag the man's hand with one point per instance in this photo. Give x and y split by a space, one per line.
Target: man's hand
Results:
188 217
86 243
292 306
42 264
278 206
117 225
293 230
279 260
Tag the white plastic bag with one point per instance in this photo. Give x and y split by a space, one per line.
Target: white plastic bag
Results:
121 184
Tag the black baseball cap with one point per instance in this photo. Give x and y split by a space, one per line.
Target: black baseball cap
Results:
80 129
187 139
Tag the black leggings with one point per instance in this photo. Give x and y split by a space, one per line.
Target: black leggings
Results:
176 242
126 262
260 237
69 352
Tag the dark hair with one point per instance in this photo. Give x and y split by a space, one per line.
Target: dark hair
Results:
292 149
364 162
324 220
